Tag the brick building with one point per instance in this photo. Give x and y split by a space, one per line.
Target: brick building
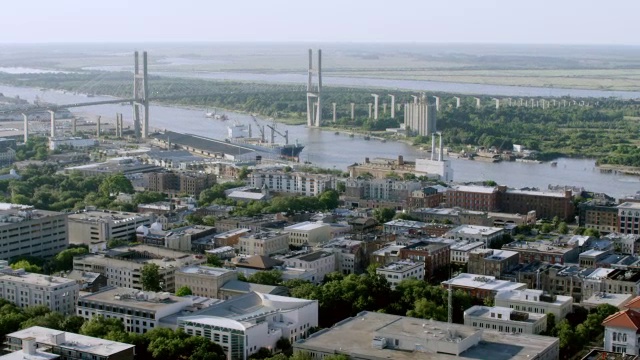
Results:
175 183
481 198
434 254
492 262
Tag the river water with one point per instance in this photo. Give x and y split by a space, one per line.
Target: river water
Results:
325 149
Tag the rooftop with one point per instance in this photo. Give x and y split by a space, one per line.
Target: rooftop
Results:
599 354
539 246
534 296
406 224
627 319
231 233
306 226
593 253
133 257
146 300
21 355
353 337
508 314
246 287
467 245
495 254
20 276
392 250
535 193
629 205
617 300
313 256
205 270
81 343
106 215
474 230
483 282
476 189
401 266
15 213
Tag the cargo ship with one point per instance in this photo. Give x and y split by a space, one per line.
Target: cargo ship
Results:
236 134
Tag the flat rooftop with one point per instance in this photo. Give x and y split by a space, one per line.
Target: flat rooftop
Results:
484 312
536 193
82 343
146 300
16 213
230 233
539 246
438 211
629 205
617 300
205 270
106 215
483 282
353 337
305 226
475 189
518 295
401 266
495 254
406 223
467 245
475 230
35 279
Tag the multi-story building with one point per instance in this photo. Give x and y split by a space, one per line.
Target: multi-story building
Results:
29 289
324 262
265 243
139 311
399 226
350 255
481 198
504 319
591 258
255 224
623 243
621 330
309 233
598 214
191 183
87 227
372 335
387 254
492 262
629 218
434 253
535 301
88 281
204 280
291 182
123 266
66 345
181 239
543 250
401 270
25 231
229 238
481 286
420 118
460 250
244 324
427 197
476 233
547 205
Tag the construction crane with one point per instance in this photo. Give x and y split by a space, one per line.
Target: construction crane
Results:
274 131
260 128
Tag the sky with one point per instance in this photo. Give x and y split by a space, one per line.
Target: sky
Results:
612 22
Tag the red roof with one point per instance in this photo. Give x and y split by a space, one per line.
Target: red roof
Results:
633 304
627 319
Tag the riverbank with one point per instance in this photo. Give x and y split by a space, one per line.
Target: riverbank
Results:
618 169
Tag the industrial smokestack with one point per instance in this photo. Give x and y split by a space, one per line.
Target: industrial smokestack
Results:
433 146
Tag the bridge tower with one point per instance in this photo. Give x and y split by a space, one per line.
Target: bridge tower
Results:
141 96
314 118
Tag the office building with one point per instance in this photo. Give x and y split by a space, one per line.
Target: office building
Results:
265 243
308 233
401 270
503 319
535 301
545 251
25 231
371 335
204 280
481 286
29 289
139 311
181 239
470 197
67 345
123 266
476 233
380 189
87 227
629 218
244 324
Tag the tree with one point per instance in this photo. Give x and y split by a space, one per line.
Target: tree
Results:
592 232
214 260
262 353
151 277
27 266
341 187
329 199
184 291
383 215
63 261
271 277
243 174
563 228
546 228
116 184
99 326
283 344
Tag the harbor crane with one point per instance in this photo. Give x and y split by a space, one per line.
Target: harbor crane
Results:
260 128
274 131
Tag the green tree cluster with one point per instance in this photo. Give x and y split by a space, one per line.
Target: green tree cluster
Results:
13 318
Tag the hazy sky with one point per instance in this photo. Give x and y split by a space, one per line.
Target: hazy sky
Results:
468 21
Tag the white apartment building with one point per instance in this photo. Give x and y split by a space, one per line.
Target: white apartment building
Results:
323 262
629 218
204 280
349 254
25 231
398 271
505 320
308 232
381 189
485 234
244 324
264 243
123 266
460 250
535 301
92 226
28 289
139 311
291 182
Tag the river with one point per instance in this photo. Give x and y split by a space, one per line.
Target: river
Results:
325 149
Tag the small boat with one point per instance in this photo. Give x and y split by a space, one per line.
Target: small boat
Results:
222 117
554 163
337 133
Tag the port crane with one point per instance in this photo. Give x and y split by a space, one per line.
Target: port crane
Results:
274 131
260 128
